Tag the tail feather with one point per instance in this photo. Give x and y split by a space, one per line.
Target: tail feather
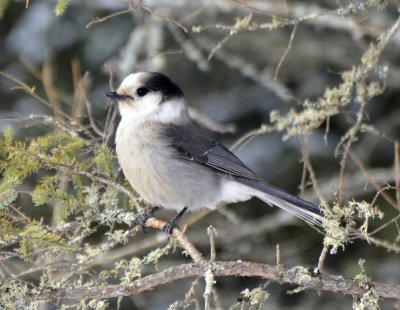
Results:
310 217
300 208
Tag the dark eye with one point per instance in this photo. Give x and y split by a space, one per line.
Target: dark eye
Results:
142 91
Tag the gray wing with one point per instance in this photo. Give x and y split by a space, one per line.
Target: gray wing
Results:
192 143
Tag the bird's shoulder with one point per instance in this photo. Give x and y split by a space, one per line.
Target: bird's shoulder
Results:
192 142
189 138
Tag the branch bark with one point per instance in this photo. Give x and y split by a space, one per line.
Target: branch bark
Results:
297 276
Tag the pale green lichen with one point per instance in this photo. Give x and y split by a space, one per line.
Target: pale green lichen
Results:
110 198
90 253
118 236
197 29
210 281
98 304
303 275
341 219
154 256
241 23
256 296
369 300
337 225
365 211
13 292
132 270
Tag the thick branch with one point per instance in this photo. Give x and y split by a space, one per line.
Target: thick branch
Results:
297 275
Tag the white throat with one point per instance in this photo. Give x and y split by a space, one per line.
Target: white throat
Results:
171 111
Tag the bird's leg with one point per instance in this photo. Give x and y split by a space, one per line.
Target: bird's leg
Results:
141 219
169 227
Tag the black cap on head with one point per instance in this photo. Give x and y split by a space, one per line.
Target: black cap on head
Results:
159 82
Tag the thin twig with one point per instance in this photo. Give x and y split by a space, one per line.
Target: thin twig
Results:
310 169
392 221
212 234
390 247
180 236
278 256
397 171
286 51
219 45
248 69
349 137
31 91
82 86
322 258
99 20
362 167
163 16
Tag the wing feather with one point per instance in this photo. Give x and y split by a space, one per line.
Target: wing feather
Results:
221 158
192 143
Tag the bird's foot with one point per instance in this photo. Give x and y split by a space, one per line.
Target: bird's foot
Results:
141 219
172 223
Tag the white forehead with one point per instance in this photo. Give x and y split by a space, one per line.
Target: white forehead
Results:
132 81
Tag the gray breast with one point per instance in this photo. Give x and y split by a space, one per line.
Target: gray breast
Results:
159 175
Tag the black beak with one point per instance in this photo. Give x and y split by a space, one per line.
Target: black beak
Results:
115 96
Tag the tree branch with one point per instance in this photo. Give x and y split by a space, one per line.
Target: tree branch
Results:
297 276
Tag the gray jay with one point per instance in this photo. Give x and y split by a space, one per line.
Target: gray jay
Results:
172 163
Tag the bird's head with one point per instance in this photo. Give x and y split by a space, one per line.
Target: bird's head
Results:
150 96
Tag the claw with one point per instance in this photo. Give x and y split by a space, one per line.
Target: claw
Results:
141 219
169 227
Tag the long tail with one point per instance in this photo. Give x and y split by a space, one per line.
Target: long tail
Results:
273 196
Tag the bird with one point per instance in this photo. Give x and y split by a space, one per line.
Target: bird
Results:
173 163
